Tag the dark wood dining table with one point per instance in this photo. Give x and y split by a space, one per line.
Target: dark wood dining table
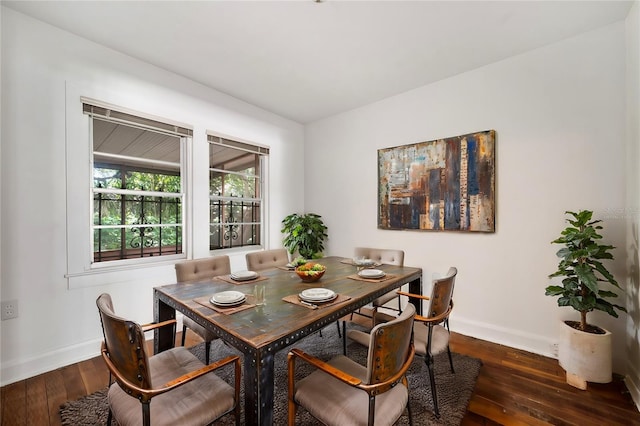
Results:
261 331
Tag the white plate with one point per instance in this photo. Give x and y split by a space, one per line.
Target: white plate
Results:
317 295
243 275
371 273
228 298
327 299
363 262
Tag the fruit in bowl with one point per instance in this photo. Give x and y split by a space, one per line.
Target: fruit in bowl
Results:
311 272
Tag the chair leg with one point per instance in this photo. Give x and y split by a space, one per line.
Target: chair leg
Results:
338 325
450 360
146 414
429 360
109 417
409 413
344 338
207 348
184 333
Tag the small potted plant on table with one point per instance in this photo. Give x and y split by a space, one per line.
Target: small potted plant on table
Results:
584 350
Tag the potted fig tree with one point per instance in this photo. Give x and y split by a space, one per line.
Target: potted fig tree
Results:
584 349
305 234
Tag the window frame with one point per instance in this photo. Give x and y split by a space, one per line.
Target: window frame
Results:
185 135
262 152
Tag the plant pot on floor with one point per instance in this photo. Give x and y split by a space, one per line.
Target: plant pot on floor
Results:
586 357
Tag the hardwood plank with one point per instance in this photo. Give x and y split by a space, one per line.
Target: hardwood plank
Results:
56 395
14 412
37 412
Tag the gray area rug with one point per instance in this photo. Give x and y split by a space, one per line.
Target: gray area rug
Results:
454 390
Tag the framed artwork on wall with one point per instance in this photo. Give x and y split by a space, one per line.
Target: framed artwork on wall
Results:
441 185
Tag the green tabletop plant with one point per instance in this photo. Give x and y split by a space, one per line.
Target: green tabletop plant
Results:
583 271
304 233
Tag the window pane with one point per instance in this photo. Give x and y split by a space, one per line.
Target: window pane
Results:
129 158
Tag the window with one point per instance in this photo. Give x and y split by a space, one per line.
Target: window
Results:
138 189
236 193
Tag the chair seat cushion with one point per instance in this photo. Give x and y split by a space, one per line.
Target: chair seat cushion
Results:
439 339
336 403
198 402
387 297
206 335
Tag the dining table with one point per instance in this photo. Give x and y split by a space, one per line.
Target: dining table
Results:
258 331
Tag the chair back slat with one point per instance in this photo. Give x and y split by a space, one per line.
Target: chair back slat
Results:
389 346
442 293
125 345
266 259
201 269
386 256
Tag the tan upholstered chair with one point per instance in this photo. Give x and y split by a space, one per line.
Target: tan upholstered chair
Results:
267 259
170 388
200 270
387 257
431 331
343 392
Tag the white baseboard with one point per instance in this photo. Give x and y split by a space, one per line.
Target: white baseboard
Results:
13 371
632 380
505 336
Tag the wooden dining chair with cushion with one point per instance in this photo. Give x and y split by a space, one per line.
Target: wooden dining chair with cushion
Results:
199 270
266 259
343 392
387 257
170 388
431 331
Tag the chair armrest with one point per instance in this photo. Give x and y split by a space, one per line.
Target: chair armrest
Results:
413 295
154 325
381 387
202 371
321 365
147 394
437 319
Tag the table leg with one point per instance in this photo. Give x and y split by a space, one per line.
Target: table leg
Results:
164 337
415 287
259 389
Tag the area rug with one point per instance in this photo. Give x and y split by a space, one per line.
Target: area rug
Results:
454 390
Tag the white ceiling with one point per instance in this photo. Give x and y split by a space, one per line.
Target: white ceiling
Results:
306 60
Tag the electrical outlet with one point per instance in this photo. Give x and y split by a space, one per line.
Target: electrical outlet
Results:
9 309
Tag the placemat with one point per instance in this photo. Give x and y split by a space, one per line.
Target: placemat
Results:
296 301
287 268
204 301
228 279
371 280
350 262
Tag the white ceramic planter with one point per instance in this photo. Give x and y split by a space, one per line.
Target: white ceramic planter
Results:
586 357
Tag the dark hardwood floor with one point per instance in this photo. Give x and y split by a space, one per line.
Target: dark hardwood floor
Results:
514 388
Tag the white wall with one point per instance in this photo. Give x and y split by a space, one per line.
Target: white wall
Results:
559 114
633 201
44 71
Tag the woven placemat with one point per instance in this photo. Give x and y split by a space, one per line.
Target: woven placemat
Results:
228 279
293 298
205 301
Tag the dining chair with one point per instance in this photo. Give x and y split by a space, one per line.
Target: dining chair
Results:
344 392
266 259
199 270
169 388
384 256
388 257
431 332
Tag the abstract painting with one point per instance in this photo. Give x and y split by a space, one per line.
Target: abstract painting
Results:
442 185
